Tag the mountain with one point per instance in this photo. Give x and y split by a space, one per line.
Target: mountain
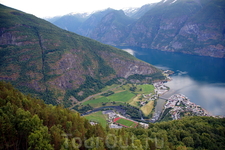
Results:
136 13
112 28
56 65
90 24
187 26
52 19
80 23
71 21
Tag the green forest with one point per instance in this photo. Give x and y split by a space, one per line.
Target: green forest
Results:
29 123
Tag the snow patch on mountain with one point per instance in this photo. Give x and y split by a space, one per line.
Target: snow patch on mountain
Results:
129 11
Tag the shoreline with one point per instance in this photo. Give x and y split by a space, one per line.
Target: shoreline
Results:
189 107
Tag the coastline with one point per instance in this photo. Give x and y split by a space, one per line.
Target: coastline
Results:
177 103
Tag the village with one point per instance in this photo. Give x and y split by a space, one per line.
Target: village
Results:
160 89
180 104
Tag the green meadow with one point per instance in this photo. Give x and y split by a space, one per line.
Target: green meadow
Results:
115 99
145 88
97 117
124 96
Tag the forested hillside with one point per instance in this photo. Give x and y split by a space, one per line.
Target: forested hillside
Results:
56 65
28 123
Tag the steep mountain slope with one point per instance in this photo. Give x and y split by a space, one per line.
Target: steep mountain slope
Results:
71 22
136 13
52 19
55 64
80 23
188 26
90 24
194 27
112 28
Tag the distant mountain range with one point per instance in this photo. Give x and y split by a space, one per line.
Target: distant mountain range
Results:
187 26
56 65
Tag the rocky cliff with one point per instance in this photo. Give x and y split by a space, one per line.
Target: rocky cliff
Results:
57 65
193 27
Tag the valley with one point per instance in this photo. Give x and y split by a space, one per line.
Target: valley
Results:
58 66
193 27
142 100
60 90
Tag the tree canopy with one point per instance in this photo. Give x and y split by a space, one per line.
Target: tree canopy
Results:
29 123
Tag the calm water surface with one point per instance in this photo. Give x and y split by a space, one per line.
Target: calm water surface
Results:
201 79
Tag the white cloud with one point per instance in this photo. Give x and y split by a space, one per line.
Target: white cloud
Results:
43 8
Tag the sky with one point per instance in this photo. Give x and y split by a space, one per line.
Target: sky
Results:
50 8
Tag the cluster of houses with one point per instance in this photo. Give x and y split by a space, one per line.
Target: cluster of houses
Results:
181 104
147 98
160 88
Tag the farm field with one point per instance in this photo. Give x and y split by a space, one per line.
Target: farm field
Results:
97 117
146 88
146 109
125 122
113 100
124 96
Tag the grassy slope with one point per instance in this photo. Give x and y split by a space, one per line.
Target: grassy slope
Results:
41 56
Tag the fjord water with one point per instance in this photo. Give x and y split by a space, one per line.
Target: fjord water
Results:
201 79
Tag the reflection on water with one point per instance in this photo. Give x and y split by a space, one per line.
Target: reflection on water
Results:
201 79
159 106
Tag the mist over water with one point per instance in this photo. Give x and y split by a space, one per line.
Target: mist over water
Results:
201 79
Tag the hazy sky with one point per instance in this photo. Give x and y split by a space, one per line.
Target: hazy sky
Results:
47 8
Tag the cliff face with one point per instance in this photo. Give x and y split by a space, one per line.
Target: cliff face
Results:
193 27
39 58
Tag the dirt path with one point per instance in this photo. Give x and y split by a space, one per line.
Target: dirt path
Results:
91 96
